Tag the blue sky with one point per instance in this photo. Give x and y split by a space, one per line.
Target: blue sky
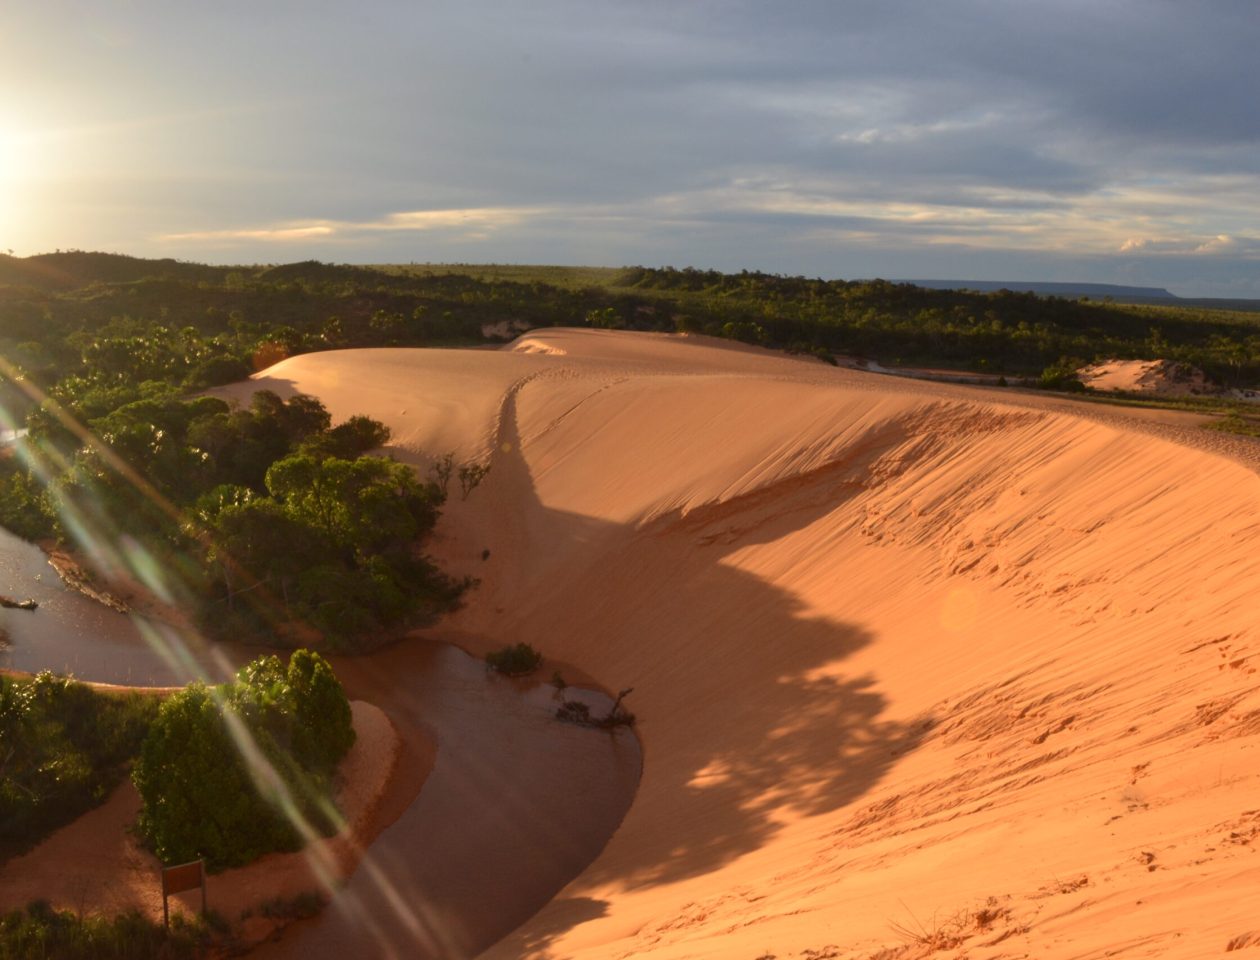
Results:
1057 140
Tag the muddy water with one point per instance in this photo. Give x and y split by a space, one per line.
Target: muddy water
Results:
516 804
72 634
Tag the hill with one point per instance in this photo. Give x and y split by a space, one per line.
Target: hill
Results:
77 268
1072 291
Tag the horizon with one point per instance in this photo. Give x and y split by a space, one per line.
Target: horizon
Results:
1016 285
1064 142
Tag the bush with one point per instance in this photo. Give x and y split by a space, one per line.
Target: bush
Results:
516 661
575 711
230 773
63 749
40 932
1061 376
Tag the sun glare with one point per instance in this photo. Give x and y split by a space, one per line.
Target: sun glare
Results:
10 160
13 170
10 168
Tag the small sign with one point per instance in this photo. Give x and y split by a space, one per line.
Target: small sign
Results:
184 876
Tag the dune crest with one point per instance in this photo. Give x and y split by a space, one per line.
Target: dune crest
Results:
917 667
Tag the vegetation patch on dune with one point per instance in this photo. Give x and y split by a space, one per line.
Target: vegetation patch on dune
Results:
267 521
517 660
225 773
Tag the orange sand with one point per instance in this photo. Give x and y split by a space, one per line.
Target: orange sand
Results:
918 668
1157 378
95 865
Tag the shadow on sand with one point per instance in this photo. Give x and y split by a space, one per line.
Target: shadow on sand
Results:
728 753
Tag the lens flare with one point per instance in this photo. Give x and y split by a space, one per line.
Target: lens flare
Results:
119 557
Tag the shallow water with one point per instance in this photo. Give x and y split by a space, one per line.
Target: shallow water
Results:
516 805
74 635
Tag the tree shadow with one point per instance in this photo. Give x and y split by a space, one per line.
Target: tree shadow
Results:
562 915
741 734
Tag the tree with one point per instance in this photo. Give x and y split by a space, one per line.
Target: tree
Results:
348 440
361 505
199 797
240 770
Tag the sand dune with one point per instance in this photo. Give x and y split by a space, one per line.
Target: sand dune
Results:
919 668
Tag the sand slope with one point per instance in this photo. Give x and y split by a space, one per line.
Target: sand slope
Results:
919 668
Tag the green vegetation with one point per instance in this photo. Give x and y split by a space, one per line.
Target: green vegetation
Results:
1243 424
272 520
1000 332
39 933
332 540
63 748
223 772
226 771
514 661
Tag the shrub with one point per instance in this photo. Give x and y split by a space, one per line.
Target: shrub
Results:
230 773
298 907
470 477
514 661
63 749
1061 376
39 932
575 711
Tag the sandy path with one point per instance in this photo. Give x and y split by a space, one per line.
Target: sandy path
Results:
918 667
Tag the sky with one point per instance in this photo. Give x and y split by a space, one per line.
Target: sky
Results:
1113 141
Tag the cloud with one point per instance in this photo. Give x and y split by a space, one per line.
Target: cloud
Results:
265 234
481 219
724 132
1218 244
474 223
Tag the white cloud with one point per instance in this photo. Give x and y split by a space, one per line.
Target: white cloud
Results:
265 234
1219 244
471 223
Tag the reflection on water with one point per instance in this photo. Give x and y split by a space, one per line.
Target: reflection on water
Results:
72 634
517 803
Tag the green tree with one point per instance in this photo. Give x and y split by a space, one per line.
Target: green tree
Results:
229 773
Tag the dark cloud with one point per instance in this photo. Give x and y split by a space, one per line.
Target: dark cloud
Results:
716 133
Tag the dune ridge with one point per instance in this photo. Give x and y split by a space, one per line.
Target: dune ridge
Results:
918 667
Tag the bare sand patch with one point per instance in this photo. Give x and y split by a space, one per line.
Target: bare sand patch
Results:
1155 378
